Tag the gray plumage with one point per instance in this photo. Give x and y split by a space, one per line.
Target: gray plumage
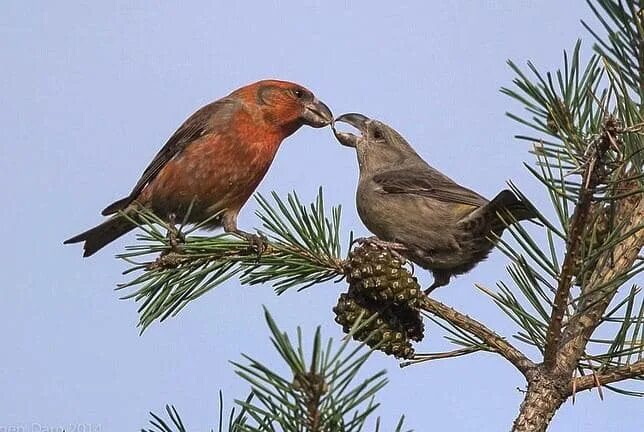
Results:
444 227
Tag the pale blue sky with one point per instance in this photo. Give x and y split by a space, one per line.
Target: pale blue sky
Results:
91 90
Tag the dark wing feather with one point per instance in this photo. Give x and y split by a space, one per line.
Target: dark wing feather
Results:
427 183
203 121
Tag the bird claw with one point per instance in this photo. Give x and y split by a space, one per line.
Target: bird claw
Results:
430 289
393 247
440 280
259 243
380 243
174 235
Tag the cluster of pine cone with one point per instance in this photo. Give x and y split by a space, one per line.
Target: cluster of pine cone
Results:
380 284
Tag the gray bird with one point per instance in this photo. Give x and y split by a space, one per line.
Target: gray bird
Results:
423 214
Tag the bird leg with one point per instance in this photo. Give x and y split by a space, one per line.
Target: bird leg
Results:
393 247
259 243
440 279
174 235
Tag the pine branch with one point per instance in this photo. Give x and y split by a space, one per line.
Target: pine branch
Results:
488 337
595 147
589 153
161 425
623 48
611 375
623 348
321 395
611 271
236 422
593 176
303 248
314 396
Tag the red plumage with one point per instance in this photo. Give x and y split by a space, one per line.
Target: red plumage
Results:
216 159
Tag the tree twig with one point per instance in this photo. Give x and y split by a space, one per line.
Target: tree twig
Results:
421 358
497 343
586 382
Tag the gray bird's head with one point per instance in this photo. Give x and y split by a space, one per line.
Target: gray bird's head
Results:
378 146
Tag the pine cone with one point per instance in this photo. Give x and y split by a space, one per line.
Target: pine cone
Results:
411 321
377 274
380 284
386 332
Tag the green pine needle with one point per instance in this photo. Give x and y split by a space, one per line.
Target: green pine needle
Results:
304 249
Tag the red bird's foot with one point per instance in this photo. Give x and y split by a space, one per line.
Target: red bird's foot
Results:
259 243
174 235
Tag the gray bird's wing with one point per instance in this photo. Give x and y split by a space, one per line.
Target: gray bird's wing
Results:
427 183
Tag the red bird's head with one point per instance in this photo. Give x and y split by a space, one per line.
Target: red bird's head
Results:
286 105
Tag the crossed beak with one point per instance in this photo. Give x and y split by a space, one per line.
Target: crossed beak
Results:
358 121
317 114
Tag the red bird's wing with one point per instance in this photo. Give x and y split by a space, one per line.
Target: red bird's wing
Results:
209 118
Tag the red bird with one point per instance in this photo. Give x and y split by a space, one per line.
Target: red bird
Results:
215 160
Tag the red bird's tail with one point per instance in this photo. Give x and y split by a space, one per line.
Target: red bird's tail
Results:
101 235
117 205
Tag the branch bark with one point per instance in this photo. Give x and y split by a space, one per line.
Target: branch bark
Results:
543 398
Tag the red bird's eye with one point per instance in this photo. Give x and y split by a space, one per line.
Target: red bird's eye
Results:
299 93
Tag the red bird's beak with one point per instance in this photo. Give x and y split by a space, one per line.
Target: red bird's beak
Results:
316 114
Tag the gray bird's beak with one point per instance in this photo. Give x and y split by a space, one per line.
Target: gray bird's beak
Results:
356 120
317 114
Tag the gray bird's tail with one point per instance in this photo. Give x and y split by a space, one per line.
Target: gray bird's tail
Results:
507 202
101 235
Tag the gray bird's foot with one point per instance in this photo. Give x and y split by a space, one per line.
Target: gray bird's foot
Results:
430 289
259 243
393 247
440 279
